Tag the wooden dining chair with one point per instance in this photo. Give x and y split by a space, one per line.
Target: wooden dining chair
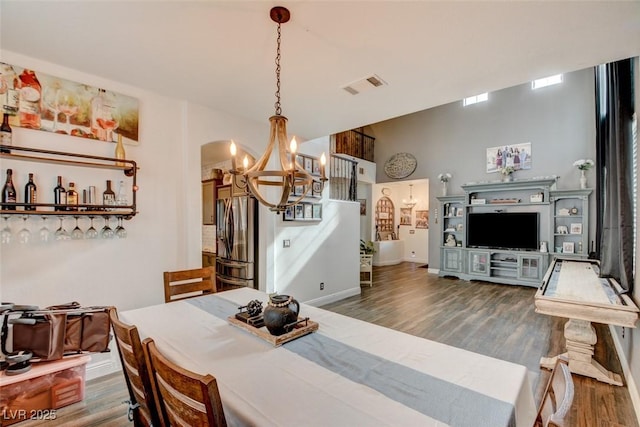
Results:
142 404
183 397
557 398
188 283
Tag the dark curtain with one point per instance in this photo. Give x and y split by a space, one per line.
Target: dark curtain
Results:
614 168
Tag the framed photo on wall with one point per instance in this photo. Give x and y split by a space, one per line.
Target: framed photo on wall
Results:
288 214
317 211
422 219
308 211
405 216
299 211
363 207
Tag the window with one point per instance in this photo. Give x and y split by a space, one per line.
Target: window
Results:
475 99
547 81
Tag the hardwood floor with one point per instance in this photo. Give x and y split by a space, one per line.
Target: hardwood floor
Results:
494 320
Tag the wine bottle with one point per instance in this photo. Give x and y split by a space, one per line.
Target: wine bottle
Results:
30 194
72 197
108 196
59 195
120 154
9 192
30 100
97 107
121 197
5 133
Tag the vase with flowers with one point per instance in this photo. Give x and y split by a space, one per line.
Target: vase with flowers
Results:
507 173
444 179
583 166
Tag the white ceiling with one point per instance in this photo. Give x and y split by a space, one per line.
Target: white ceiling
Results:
221 53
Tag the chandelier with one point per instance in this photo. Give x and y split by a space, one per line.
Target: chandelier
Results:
411 202
289 174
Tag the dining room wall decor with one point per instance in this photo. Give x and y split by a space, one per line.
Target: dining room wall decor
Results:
40 101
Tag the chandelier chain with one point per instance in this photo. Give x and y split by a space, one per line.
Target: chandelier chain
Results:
277 104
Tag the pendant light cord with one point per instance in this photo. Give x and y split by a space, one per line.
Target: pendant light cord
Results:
277 104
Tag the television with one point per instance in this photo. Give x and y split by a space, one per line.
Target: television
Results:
503 230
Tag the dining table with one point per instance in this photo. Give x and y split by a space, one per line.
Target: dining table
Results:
346 373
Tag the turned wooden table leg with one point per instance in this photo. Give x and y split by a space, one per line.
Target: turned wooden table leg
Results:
581 338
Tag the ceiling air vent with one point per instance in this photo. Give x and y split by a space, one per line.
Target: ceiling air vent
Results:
365 84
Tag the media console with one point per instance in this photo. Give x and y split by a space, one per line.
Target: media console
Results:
535 214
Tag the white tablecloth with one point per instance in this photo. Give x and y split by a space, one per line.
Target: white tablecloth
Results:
265 386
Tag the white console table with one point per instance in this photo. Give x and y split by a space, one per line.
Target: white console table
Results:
574 290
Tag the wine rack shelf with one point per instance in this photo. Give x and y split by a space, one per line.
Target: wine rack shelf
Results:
128 167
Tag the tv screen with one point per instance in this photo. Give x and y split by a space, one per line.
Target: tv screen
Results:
507 230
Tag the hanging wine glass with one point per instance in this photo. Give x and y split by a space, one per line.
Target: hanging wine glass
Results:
91 233
67 104
77 233
5 234
24 235
44 233
106 232
61 233
121 232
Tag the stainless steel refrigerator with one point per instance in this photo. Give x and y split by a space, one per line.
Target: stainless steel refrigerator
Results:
237 241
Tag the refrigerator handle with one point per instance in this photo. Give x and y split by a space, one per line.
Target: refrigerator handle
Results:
228 219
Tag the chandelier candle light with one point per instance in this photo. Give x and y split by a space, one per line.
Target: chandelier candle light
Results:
290 173
411 202
583 165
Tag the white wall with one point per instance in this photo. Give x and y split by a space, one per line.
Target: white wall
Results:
321 252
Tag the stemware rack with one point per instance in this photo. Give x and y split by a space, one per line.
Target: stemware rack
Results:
128 167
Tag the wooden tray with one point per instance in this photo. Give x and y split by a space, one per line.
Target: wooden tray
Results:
276 340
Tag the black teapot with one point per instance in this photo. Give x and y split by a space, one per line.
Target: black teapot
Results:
280 311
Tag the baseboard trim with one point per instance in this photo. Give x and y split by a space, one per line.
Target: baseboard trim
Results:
100 369
327 299
433 270
631 384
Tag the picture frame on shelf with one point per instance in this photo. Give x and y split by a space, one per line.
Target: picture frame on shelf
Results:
316 167
317 211
298 190
299 211
308 210
288 214
567 247
575 228
459 212
300 161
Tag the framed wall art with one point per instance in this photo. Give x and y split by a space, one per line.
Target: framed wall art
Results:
71 108
422 219
516 156
405 216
